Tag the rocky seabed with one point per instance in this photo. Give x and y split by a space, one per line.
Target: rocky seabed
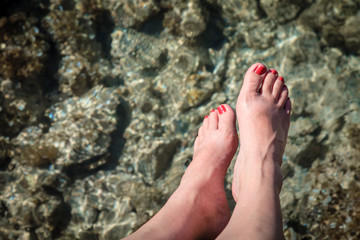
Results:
100 102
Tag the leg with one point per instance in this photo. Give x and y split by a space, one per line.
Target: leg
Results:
198 208
264 118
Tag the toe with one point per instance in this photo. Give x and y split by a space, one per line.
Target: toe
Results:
213 120
226 117
253 78
205 124
278 85
283 96
287 106
269 80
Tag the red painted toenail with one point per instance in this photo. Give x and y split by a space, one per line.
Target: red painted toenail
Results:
281 79
213 110
220 110
273 71
260 69
206 116
223 108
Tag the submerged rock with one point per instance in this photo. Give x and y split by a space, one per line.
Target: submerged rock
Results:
175 71
131 13
80 130
23 47
32 203
79 162
193 21
329 19
283 11
23 55
111 204
350 32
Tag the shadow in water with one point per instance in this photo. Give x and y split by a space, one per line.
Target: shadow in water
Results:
213 36
104 26
118 142
154 25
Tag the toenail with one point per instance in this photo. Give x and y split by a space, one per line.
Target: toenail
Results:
213 110
220 110
273 71
206 116
223 108
260 69
281 79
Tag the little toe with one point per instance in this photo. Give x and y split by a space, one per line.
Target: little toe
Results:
287 106
226 117
213 120
253 78
284 94
278 85
269 80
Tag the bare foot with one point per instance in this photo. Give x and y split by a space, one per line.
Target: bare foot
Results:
198 209
264 118
214 149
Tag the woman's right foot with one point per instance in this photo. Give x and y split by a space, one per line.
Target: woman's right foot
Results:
264 117
263 114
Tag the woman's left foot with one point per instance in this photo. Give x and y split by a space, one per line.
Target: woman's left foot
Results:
198 209
214 149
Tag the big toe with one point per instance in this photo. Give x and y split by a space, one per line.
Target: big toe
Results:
226 118
253 78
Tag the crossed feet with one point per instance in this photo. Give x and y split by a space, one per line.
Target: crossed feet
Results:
198 209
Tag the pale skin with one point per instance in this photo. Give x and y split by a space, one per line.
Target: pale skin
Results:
198 209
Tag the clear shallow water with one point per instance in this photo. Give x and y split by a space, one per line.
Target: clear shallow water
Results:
101 102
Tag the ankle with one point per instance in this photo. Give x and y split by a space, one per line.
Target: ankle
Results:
260 172
195 213
194 179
